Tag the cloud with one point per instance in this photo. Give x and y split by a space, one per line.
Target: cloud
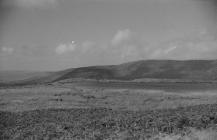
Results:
65 48
170 49
121 36
29 3
162 52
202 46
127 46
7 50
87 46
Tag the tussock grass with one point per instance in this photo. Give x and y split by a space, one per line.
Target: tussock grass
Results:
193 134
67 112
102 123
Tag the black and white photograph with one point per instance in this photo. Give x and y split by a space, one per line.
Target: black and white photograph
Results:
108 69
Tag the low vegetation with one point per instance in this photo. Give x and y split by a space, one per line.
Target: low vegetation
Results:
102 123
68 111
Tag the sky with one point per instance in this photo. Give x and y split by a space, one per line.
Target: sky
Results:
50 35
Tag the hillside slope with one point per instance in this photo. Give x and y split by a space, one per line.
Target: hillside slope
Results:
153 69
10 76
144 69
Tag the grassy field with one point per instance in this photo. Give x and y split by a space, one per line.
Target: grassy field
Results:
70 111
71 96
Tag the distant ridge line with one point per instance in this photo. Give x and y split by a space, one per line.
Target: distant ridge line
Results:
180 70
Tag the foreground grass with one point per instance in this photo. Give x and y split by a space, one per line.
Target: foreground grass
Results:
102 123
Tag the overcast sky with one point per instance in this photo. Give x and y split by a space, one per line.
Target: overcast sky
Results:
60 34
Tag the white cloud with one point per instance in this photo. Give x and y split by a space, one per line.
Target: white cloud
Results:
65 48
170 49
129 53
121 36
202 46
87 46
126 46
7 50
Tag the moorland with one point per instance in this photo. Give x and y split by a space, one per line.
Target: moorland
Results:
153 99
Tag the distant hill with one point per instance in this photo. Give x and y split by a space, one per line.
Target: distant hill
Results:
152 69
9 76
144 69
